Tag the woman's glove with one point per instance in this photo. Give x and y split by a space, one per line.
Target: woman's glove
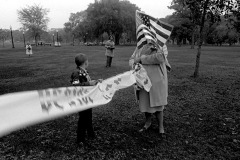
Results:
137 60
99 80
137 87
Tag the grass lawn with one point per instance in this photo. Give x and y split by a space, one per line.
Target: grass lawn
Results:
201 120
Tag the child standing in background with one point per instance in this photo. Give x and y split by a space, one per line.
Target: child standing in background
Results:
28 49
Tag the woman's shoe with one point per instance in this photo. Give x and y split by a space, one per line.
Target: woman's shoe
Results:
144 129
162 135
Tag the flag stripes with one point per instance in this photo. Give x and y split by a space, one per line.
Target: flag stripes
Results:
166 26
139 21
161 31
149 28
145 29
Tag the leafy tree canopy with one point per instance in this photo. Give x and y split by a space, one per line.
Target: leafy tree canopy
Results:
34 19
110 16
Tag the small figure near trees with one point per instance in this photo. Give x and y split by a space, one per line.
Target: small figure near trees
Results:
110 46
28 49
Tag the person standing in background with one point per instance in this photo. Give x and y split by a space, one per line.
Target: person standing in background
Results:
110 46
28 49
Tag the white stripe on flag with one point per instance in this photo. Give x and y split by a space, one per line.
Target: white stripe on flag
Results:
160 38
144 31
150 38
160 28
140 27
138 20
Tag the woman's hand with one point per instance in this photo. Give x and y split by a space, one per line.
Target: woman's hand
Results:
137 60
99 80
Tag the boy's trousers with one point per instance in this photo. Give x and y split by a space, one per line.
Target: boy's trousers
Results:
84 125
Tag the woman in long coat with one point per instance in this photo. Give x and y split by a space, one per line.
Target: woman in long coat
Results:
154 62
110 46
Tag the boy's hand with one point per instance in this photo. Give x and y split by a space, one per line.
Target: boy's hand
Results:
93 82
99 80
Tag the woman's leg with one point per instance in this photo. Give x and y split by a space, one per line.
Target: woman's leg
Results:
159 116
110 61
107 62
148 121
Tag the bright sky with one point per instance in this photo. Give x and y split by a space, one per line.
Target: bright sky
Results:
60 10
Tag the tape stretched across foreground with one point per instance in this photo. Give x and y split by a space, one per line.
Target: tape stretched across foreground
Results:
22 109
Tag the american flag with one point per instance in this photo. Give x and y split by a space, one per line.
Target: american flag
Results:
149 28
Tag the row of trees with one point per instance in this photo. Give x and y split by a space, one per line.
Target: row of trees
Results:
113 17
218 28
97 22
204 18
118 18
4 35
20 35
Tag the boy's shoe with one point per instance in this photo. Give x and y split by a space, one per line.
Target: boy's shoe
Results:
92 136
84 145
144 129
81 141
162 136
80 144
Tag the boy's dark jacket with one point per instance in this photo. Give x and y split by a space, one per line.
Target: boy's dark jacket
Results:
80 77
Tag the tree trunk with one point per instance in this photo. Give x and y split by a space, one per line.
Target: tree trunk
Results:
179 42
12 39
102 39
192 45
35 37
197 61
73 40
184 41
196 72
117 37
3 42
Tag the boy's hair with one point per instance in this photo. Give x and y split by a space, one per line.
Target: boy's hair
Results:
80 59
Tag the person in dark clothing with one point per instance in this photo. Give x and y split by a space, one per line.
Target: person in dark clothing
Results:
110 46
80 77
